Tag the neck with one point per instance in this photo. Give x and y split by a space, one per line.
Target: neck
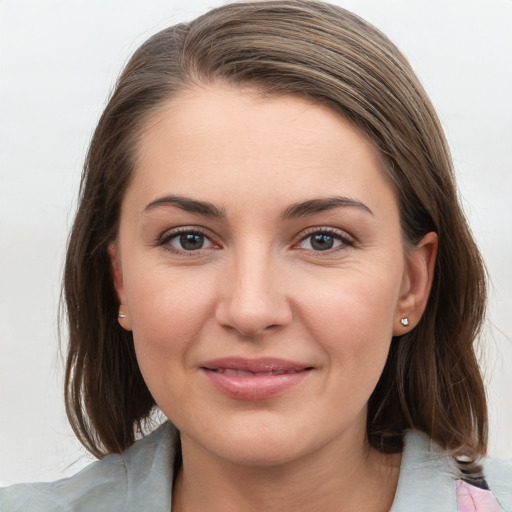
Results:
348 476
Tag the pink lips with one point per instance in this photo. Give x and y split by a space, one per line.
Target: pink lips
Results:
254 379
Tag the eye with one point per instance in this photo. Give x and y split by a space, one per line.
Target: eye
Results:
186 241
324 240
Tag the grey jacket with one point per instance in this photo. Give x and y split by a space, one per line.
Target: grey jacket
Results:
140 479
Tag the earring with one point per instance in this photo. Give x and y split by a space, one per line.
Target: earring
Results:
120 315
404 321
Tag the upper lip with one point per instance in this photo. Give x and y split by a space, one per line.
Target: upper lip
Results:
260 365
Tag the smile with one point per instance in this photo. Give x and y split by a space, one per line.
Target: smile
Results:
243 373
260 379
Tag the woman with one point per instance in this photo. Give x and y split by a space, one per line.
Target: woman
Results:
270 249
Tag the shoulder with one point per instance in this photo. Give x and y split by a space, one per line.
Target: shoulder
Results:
109 484
102 479
429 481
498 474
427 478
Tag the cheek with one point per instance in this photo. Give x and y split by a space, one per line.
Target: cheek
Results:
352 317
168 309
353 326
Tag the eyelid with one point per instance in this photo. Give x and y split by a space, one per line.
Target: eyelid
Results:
164 239
339 234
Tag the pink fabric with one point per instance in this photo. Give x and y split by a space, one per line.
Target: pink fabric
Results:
473 499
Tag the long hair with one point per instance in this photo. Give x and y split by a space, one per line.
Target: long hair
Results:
326 54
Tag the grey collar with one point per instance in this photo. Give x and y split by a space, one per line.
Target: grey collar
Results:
426 482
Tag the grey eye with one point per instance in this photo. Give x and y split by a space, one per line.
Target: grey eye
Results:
190 241
320 242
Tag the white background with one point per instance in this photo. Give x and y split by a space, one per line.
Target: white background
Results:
59 60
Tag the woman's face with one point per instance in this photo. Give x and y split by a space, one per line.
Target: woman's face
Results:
262 271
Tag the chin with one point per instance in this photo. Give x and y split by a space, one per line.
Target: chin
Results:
263 442
262 451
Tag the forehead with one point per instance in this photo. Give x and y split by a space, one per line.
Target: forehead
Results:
218 140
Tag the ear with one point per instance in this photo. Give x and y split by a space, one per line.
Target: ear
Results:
117 275
416 284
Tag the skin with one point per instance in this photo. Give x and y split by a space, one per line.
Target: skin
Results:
259 287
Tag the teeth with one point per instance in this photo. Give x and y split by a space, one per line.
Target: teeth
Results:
238 373
243 373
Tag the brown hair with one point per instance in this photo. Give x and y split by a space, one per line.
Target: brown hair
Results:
431 380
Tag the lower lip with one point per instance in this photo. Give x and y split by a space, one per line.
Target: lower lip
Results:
257 387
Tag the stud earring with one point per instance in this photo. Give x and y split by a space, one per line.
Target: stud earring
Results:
404 321
120 315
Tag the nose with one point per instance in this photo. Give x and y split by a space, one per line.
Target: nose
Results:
252 296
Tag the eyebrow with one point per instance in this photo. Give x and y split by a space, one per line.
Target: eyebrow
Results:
321 205
302 209
190 205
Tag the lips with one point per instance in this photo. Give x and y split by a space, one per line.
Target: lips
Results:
243 373
254 379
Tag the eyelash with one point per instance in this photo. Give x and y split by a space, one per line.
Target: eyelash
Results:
165 239
345 239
